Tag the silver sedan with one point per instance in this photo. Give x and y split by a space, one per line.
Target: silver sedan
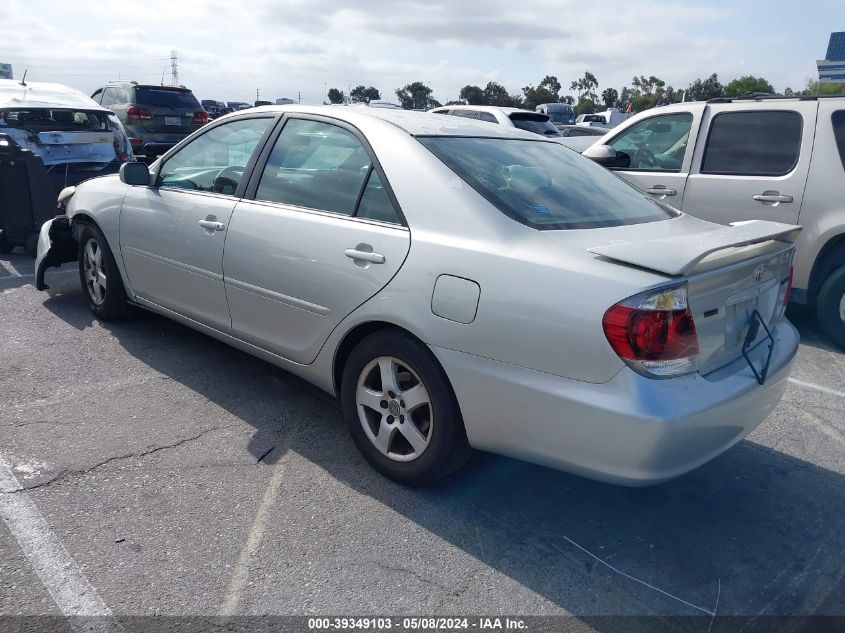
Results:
457 285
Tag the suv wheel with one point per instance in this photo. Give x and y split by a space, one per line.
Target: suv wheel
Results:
99 276
830 306
401 410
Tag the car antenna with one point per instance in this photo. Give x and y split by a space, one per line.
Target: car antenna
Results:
23 79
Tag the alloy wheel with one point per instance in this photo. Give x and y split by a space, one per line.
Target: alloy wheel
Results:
94 271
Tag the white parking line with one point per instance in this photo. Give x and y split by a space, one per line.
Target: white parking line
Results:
58 571
815 387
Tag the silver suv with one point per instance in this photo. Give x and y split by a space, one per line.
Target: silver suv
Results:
768 158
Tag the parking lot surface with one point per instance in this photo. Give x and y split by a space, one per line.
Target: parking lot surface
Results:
181 476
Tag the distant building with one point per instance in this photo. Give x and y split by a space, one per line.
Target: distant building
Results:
832 67
6 71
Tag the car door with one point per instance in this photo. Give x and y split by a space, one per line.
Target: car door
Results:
655 153
752 162
321 235
172 234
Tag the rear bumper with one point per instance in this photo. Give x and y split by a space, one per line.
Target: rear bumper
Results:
631 430
153 143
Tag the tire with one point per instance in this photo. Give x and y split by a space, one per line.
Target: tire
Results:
426 439
106 297
830 306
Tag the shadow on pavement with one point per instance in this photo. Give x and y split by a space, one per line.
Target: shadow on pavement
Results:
768 526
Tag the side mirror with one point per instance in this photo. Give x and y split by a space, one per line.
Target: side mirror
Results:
134 174
601 154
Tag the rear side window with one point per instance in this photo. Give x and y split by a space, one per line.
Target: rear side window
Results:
375 203
166 97
838 120
753 143
486 116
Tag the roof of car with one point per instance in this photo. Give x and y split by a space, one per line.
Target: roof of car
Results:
411 121
483 108
39 94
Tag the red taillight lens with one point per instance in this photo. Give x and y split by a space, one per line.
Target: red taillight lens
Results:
134 113
654 333
200 118
788 292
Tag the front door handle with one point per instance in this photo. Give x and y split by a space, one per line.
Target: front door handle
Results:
772 197
364 256
211 225
660 190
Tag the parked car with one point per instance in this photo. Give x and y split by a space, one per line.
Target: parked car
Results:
155 117
535 122
238 105
582 130
609 118
773 158
51 136
558 113
214 108
547 310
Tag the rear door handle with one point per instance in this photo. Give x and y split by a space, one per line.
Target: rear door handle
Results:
768 197
661 191
373 258
211 225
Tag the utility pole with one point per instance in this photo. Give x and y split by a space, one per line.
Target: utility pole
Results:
299 97
174 69
257 92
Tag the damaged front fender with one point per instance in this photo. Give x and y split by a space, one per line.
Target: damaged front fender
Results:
56 246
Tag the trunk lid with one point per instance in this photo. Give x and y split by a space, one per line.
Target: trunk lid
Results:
731 272
171 108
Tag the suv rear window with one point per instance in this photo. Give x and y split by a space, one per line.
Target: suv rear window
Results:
753 143
172 97
545 185
838 120
534 122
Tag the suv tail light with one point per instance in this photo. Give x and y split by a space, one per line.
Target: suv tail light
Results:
654 332
134 113
200 118
785 293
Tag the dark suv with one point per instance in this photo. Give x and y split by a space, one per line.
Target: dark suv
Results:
155 117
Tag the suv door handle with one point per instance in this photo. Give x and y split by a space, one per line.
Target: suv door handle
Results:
660 190
768 197
373 258
211 225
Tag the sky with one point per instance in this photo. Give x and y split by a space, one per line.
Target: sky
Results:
299 48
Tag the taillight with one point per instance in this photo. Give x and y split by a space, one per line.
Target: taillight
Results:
787 293
134 113
200 118
654 332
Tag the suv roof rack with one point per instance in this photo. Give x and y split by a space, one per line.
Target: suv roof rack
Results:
763 96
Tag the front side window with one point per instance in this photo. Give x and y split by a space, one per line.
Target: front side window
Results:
216 160
545 185
838 120
753 143
657 143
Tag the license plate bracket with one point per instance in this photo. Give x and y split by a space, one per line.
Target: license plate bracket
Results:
173 120
753 330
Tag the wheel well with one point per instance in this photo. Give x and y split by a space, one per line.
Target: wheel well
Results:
355 336
831 257
79 220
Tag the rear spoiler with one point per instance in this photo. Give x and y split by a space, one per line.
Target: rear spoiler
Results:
680 255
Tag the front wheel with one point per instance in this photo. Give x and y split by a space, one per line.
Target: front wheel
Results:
401 410
99 276
830 306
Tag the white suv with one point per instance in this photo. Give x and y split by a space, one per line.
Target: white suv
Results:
768 158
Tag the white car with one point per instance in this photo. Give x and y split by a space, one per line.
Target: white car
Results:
768 158
456 284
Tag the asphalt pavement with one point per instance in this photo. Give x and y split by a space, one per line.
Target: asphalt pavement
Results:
177 476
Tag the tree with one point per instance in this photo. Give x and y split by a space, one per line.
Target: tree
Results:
547 91
788 92
364 95
473 95
609 97
818 88
586 87
567 99
335 95
497 95
746 85
648 86
624 98
416 96
710 88
585 106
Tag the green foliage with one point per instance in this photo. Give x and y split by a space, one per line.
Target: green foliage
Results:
547 91
364 95
609 97
473 95
585 106
818 88
709 88
416 96
586 87
335 95
746 85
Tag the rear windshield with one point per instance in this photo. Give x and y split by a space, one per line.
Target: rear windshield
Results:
173 97
44 120
534 122
544 184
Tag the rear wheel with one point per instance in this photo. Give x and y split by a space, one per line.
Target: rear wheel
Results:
401 411
830 306
99 276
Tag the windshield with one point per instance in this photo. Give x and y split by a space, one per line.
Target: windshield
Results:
545 185
534 122
171 97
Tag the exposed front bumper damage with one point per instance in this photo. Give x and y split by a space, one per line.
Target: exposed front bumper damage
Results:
56 245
